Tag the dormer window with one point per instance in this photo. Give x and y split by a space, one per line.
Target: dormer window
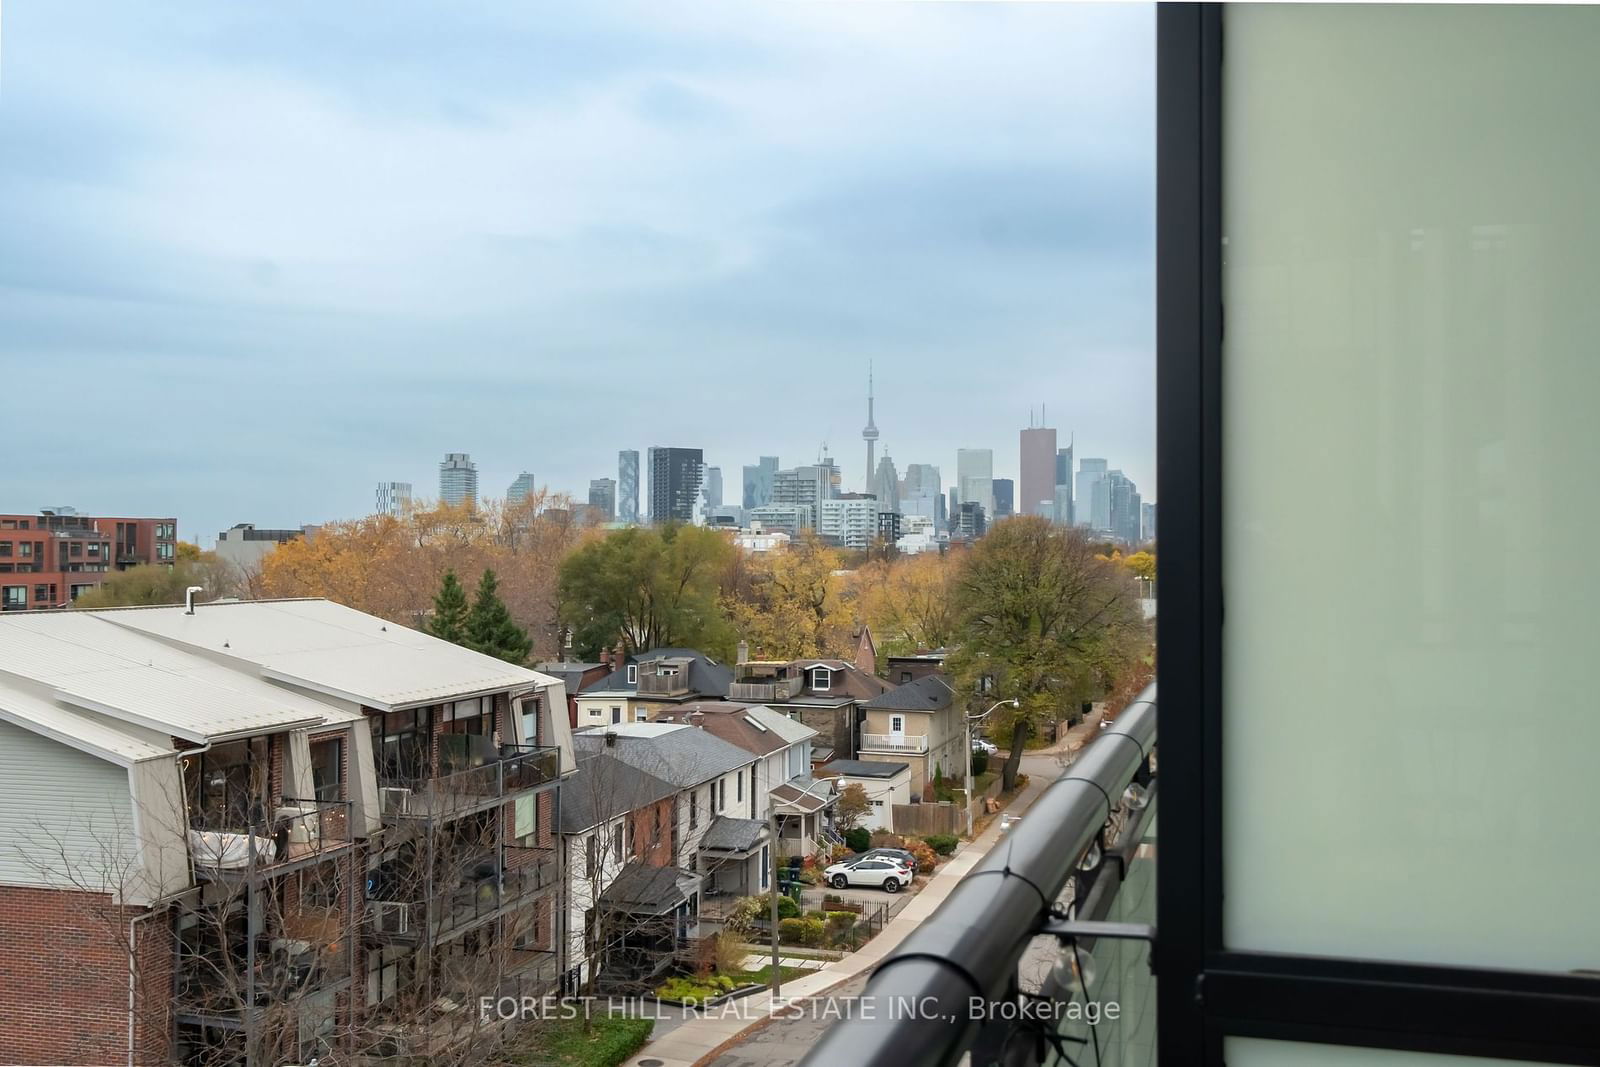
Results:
821 678
633 674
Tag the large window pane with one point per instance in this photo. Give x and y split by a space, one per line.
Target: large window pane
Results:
1410 373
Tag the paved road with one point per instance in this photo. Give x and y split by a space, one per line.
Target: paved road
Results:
785 1041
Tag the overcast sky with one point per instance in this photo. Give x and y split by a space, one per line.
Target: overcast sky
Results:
258 257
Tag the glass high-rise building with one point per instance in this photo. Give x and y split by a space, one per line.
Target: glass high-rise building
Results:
520 489
458 480
1063 494
975 477
1091 472
675 483
603 498
1004 491
758 481
628 485
394 498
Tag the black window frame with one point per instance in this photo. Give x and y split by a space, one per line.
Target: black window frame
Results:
1206 991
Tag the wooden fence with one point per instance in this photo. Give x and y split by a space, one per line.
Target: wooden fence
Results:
925 819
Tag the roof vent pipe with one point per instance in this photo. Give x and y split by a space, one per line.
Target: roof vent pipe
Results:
188 598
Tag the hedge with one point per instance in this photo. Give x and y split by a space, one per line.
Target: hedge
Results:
800 931
943 844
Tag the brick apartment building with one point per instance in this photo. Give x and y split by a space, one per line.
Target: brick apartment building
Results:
64 554
253 833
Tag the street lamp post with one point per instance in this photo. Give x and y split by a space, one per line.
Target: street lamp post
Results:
967 721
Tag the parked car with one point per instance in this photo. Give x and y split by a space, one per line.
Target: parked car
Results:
988 748
894 855
883 873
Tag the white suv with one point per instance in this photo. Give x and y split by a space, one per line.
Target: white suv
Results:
886 874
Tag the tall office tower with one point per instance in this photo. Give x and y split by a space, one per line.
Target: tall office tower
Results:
1037 483
1125 508
929 505
710 492
674 483
603 498
1064 481
975 476
520 489
920 478
628 485
458 480
969 522
1091 472
870 433
1004 491
954 505
758 482
394 498
1147 522
886 486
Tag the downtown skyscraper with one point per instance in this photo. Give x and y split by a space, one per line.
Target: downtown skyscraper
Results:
675 483
628 485
1036 488
458 480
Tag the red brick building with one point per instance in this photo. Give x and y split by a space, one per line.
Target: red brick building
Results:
47 560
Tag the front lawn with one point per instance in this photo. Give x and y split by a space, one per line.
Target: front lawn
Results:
610 1040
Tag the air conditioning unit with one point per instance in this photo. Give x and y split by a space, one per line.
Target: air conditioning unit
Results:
395 800
392 917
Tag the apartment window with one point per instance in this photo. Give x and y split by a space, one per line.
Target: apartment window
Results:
227 785
722 795
897 724
95 548
694 809
633 673
401 746
738 786
591 855
821 678
25 549
164 551
41 593
616 844
327 768
75 549
5 548
639 715
14 597
905 676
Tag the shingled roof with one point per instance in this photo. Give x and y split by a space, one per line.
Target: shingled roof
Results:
925 694
682 755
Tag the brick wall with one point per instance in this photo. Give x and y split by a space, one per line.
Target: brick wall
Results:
660 853
64 997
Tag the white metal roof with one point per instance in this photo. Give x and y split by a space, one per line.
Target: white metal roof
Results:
790 730
22 707
88 663
332 649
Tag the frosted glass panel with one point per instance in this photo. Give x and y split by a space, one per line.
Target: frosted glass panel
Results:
1252 1052
1411 394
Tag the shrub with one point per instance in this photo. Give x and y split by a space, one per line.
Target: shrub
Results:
859 839
831 898
926 858
943 844
800 931
787 909
837 919
839 853
980 763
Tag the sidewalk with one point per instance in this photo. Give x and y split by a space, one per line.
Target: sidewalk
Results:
699 1040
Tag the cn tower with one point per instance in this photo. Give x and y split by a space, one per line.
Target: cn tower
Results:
870 434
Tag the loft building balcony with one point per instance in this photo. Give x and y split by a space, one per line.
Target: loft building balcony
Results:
909 743
228 844
473 776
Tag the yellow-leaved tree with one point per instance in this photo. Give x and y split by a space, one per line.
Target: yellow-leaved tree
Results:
792 602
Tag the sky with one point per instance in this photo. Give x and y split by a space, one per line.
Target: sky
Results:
259 257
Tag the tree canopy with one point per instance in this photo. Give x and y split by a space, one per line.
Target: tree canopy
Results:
791 603
449 619
489 627
652 587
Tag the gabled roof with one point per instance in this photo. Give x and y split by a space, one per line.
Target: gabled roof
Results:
645 890
857 683
81 660
801 793
753 727
733 835
332 649
929 693
682 755
604 788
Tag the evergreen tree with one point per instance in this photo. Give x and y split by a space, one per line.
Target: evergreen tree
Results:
490 629
450 611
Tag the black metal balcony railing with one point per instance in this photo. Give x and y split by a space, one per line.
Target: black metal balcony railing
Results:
310 955
528 871
457 790
959 969
230 844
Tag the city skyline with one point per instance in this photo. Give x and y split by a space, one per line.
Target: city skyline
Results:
743 192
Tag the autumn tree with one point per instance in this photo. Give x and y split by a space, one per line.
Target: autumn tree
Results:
851 807
910 602
489 627
1142 564
652 586
1042 618
160 583
791 603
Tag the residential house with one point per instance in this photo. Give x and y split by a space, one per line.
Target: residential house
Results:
825 694
919 724
575 677
783 773
644 683
914 665
719 831
886 784
222 781
614 820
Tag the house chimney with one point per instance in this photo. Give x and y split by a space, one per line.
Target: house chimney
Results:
619 657
744 652
605 658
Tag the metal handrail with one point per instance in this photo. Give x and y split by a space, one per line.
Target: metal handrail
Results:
917 1007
